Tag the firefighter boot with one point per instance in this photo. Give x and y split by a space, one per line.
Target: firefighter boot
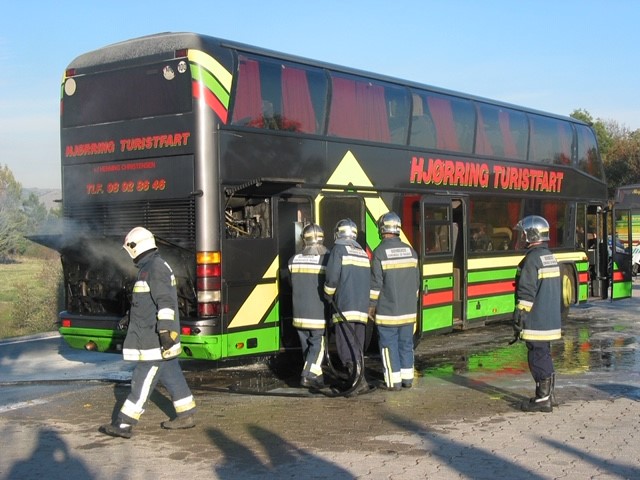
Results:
120 430
554 400
542 401
179 423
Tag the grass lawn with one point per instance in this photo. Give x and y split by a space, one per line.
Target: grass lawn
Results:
29 291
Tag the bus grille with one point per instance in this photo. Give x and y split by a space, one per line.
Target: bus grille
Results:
172 220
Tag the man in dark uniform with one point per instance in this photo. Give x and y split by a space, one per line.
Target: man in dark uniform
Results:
348 278
537 317
394 301
307 274
153 339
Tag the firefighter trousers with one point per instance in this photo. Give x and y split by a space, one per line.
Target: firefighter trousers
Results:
144 379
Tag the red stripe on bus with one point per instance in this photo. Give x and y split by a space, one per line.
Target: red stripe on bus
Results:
491 288
583 277
435 298
211 100
618 277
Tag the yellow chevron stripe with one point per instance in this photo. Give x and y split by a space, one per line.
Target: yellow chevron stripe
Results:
349 172
259 301
211 64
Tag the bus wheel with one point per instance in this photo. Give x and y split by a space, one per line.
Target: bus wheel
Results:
568 290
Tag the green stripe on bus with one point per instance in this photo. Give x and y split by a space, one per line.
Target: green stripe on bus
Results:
373 238
437 318
266 340
583 293
621 290
489 275
490 306
200 74
438 283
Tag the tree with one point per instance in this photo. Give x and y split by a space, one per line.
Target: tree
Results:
18 216
619 149
12 218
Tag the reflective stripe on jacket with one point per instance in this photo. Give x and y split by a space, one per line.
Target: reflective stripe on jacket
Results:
154 307
348 277
394 283
538 292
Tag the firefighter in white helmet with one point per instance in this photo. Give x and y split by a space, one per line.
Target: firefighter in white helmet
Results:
153 339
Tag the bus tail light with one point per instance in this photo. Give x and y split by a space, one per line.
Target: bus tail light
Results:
209 283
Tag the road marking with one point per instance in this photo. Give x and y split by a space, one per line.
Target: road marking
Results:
19 405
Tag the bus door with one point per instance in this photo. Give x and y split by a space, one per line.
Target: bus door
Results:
442 259
333 208
251 266
294 212
619 246
597 251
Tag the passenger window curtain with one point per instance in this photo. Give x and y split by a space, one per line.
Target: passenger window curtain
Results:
248 99
442 115
550 214
296 100
483 147
565 144
510 149
358 110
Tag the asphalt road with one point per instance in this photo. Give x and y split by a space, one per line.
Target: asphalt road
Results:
461 419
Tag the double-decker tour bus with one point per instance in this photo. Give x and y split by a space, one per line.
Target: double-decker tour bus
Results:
627 205
225 151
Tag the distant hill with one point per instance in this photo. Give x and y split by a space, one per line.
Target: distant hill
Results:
47 196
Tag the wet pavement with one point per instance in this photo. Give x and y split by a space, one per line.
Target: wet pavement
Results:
460 420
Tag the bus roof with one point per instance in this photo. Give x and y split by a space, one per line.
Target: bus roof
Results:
159 43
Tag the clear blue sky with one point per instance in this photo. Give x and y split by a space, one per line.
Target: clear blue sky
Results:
553 55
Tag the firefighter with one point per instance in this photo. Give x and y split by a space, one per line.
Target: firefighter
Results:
347 284
537 317
394 301
153 339
307 274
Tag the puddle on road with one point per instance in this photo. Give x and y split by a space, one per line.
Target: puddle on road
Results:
592 341
587 345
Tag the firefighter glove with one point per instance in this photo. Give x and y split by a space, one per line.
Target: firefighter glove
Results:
519 318
123 324
167 339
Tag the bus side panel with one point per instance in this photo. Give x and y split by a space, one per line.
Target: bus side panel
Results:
582 267
437 303
490 293
622 283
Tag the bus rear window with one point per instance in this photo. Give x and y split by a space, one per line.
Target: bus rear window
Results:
145 91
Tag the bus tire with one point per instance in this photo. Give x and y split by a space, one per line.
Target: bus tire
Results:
568 296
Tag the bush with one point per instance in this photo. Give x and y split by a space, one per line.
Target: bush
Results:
38 301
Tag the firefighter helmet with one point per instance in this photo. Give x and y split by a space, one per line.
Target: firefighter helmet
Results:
138 241
389 223
534 229
346 228
312 234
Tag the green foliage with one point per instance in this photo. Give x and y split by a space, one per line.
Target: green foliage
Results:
31 295
18 217
619 148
